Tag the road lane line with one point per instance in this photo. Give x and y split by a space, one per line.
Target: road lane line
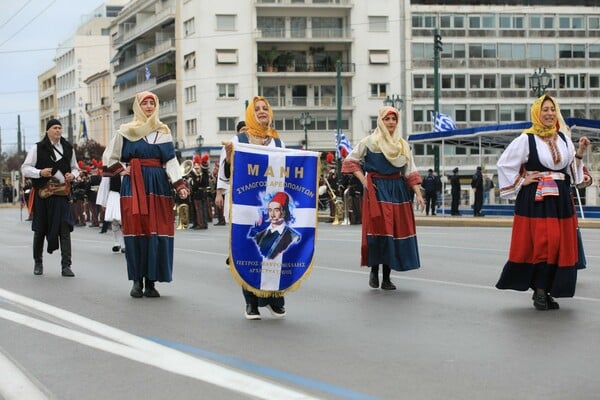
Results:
15 385
145 351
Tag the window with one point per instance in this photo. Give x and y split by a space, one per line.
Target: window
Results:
378 90
373 123
189 61
452 21
422 51
227 56
572 81
225 22
594 50
594 81
189 27
541 22
475 81
190 127
325 95
593 23
275 94
227 124
571 51
327 27
190 94
378 24
571 22
514 51
511 22
379 57
298 26
271 26
227 90
423 21
418 82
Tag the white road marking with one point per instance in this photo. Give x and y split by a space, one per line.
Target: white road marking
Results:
15 385
121 343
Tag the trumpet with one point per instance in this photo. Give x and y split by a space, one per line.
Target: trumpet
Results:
186 167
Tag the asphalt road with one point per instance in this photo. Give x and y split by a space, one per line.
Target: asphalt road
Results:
446 333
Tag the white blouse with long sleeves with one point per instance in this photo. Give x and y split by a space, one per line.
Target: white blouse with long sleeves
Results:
510 163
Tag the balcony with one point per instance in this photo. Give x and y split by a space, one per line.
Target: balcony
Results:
145 25
302 35
265 69
302 102
304 3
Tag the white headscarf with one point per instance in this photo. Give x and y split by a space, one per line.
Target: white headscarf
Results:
395 149
142 125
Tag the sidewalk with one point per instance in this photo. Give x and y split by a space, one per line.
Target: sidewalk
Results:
469 220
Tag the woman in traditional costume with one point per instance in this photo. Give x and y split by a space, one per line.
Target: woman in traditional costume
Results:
258 131
142 152
538 169
388 223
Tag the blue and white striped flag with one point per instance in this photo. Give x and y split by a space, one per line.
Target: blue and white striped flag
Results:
442 122
274 196
343 144
147 73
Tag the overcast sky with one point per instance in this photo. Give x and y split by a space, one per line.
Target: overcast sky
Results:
30 32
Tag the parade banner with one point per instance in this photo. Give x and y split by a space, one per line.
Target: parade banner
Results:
273 217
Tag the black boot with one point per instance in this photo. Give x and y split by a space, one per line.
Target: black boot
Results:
136 290
540 299
65 250
386 283
374 277
38 252
150 291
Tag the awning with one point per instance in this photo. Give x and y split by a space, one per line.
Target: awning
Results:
121 51
126 77
499 136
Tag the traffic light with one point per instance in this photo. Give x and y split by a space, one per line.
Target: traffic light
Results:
437 42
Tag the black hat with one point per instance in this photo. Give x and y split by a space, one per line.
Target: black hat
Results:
478 168
52 122
455 170
429 170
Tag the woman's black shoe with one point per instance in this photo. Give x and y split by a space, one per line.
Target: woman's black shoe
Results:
388 285
137 289
374 279
540 301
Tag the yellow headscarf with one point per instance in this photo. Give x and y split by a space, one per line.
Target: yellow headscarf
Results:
537 127
395 149
142 125
253 126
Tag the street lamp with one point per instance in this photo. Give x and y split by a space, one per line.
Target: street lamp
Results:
394 101
305 121
539 81
199 143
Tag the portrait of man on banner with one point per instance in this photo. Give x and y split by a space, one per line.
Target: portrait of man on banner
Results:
274 239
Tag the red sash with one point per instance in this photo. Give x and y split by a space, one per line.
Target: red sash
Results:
138 190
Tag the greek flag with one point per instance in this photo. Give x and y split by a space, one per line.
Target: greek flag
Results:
442 122
274 195
147 74
83 134
344 143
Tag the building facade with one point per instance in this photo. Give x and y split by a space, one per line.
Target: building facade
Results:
47 98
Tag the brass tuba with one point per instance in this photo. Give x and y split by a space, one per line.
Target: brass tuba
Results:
186 167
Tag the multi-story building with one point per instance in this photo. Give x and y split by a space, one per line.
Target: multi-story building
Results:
144 38
78 57
288 51
47 97
491 50
99 126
